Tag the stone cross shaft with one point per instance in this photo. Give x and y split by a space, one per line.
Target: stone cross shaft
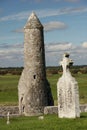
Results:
67 91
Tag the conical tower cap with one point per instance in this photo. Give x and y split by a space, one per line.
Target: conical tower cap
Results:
33 22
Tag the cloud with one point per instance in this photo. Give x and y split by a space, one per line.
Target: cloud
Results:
23 0
54 25
13 54
30 1
72 0
20 30
54 47
18 16
44 13
84 44
54 53
11 46
57 0
9 37
67 0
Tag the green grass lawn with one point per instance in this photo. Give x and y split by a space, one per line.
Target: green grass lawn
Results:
9 91
82 83
9 96
50 122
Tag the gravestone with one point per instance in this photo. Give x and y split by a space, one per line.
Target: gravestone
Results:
33 89
67 91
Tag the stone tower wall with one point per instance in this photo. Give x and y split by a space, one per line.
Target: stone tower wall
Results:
34 52
34 90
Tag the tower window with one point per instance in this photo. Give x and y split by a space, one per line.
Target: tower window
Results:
41 49
34 76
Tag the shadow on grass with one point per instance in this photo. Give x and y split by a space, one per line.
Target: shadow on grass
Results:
83 115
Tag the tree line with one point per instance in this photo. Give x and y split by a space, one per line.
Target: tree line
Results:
49 70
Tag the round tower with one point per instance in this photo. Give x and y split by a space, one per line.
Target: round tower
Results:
34 89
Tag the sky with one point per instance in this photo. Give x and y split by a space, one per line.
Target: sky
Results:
65 30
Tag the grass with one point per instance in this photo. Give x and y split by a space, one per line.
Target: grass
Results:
50 122
82 83
9 96
9 91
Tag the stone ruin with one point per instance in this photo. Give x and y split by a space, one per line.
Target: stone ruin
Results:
67 91
34 92
33 89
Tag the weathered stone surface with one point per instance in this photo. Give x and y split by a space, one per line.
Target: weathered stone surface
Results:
34 90
54 109
13 110
51 110
67 90
83 108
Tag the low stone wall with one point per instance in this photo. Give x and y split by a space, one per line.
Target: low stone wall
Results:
83 108
51 110
54 109
13 110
